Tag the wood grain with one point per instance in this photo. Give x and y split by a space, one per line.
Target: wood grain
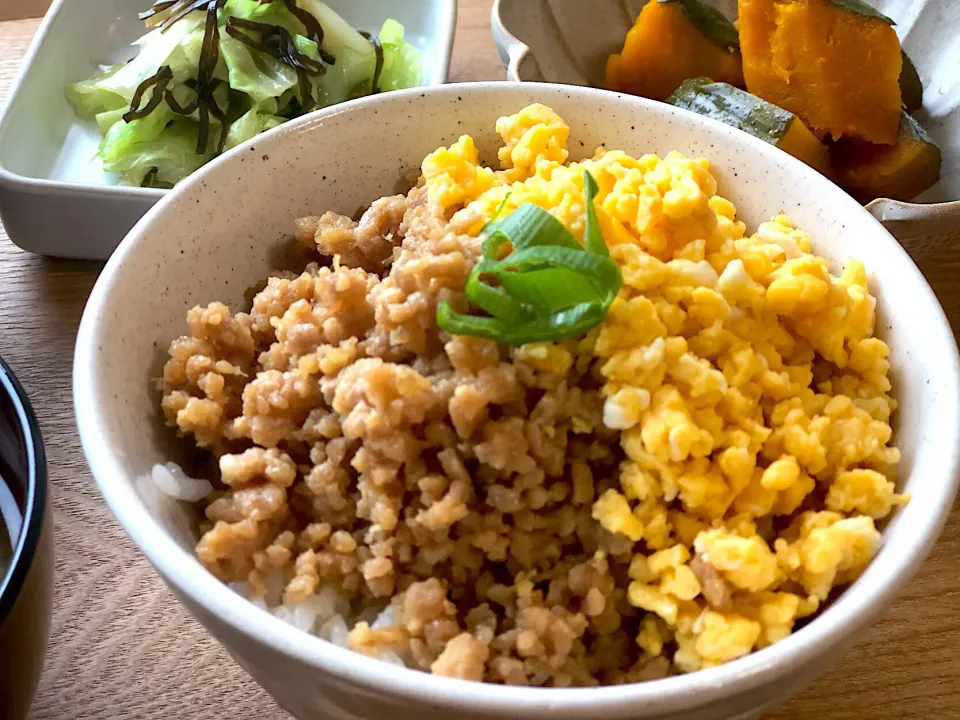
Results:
123 648
19 9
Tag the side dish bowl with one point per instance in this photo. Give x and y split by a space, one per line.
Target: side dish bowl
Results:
187 250
48 154
26 574
567 41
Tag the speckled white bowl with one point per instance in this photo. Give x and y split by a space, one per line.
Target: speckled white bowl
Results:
200 243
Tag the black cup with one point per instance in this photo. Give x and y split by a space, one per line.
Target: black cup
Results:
26 588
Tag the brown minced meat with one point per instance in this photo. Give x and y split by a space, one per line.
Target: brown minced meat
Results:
361 448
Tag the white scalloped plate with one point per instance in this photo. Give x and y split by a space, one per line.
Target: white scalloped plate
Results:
568 41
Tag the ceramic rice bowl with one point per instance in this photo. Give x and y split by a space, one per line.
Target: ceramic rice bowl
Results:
202 243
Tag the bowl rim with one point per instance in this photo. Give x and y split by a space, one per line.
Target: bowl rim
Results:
831 630
25 548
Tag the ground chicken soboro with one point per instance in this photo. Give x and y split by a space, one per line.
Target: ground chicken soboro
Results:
667 493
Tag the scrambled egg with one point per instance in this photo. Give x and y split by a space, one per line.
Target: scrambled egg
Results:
752 399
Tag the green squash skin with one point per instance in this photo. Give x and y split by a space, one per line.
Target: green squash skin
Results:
914 128
851 158
911 87
711 23
858 7
733 106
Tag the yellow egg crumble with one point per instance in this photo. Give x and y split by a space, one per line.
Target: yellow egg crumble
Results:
752 399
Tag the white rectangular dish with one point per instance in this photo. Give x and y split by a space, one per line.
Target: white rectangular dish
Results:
55 198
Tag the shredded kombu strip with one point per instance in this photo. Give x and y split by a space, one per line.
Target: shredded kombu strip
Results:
206 83
169 12
158 82
278 43
314 29
273 40
204 103
191 106
156 9
150 179
378 68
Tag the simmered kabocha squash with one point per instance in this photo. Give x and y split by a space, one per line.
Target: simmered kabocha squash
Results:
673 40
761 119
900 171
835 63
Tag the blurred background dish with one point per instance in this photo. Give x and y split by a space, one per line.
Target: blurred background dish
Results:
48 154
26 549
565 41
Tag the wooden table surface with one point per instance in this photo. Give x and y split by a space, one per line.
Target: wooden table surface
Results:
122 647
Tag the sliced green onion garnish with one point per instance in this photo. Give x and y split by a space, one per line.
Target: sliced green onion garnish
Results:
496 215
592 237
601 270
552 289
459 324
548 286
495 301
527 226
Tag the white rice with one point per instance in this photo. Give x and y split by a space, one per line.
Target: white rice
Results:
384 619
387 655
324 614
334 630
173 481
